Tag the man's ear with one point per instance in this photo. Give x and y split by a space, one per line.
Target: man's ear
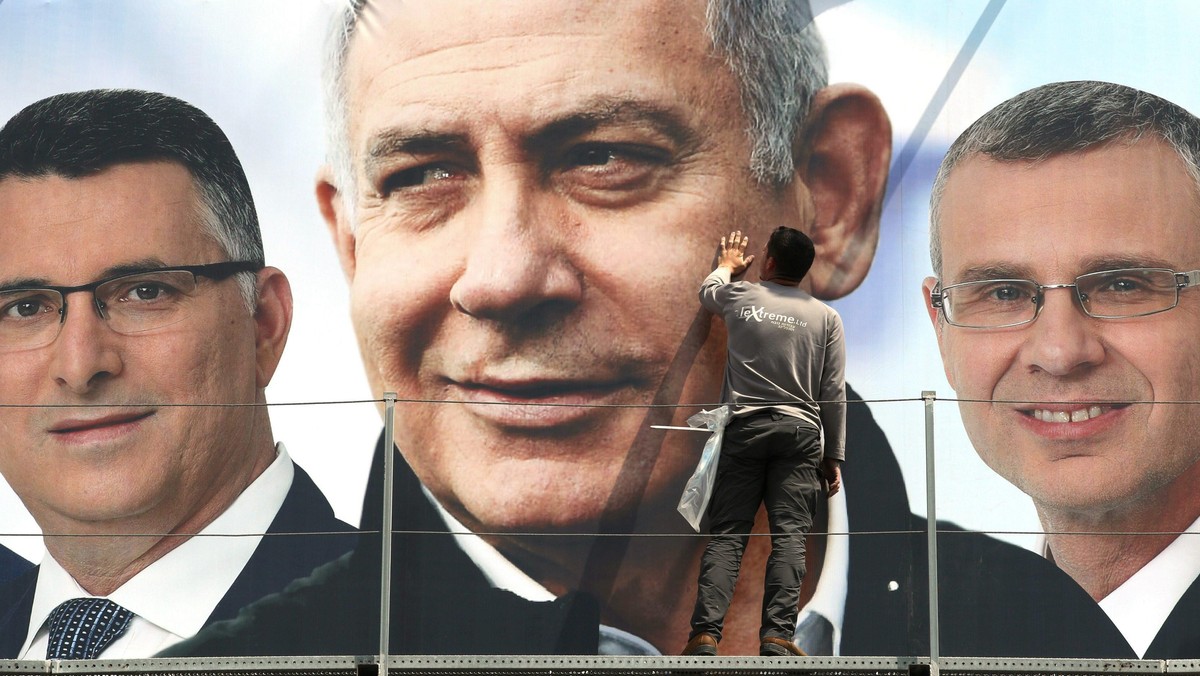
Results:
927 288
766 268
842 162
272 321
329 200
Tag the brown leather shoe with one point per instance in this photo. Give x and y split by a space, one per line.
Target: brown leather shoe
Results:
773 646
703 645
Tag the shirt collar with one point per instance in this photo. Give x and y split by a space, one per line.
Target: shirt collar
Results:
1140 606
499 571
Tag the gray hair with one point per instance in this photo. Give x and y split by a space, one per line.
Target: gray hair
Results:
771 46
1062 118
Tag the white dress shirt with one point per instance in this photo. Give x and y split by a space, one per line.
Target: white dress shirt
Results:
829 598
1141 605
172 597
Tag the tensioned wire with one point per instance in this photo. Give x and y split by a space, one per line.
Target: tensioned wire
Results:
583 534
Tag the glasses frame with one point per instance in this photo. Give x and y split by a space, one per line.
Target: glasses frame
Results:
1183 280
214 271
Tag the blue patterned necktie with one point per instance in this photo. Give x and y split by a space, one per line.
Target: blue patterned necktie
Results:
80 629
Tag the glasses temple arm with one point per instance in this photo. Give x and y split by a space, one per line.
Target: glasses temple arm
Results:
1186 279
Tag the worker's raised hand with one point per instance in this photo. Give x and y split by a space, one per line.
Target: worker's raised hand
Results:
733 253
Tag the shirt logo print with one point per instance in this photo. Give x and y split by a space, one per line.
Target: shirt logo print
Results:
750 312
760 314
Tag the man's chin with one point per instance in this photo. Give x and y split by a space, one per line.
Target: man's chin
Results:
548 513
1080 495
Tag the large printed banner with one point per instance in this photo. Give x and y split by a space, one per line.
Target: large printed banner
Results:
508 233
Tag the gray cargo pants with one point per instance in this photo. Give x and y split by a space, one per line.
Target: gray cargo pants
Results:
772 459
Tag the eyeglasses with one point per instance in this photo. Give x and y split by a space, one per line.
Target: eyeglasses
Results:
130 303
1110 294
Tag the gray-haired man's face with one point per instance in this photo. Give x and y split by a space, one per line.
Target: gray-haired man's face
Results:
540 189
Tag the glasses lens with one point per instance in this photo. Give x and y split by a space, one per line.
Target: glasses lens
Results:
991 303
1133 292
29 317
146 301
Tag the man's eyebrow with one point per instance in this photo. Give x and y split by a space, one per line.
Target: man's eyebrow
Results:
979 273
130 268
613 112
587 117
399 141
1100 264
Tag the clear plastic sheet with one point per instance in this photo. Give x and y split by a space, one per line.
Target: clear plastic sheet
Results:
699 487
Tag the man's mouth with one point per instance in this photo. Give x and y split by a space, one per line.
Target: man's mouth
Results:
538 403
543 391
80 425
1077 415
1080 413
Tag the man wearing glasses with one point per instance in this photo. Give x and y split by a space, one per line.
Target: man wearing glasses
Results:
1064 240
139 327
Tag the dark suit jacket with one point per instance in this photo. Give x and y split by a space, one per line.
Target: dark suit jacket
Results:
995 599
12 564
278 560
441 602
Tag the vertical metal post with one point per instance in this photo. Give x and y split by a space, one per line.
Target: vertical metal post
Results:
385 563
929 398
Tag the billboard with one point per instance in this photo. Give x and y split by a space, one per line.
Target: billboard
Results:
536 324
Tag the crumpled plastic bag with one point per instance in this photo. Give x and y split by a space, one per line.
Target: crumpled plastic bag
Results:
698 490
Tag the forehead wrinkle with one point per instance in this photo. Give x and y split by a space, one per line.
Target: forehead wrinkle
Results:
1101 263
515 47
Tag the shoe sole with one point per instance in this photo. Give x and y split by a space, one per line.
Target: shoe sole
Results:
772 649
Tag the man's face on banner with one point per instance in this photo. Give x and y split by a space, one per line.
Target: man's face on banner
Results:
540 190
139 465
1118 206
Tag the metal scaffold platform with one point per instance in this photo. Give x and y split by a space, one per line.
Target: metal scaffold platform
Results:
443 665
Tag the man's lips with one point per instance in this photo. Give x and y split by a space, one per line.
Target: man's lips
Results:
1071 420
544 391
1073 414
80 425
538 403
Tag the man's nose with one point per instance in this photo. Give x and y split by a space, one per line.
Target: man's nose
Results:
1063 339
517 256
86 352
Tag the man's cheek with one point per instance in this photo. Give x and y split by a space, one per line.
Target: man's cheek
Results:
385 349
961 369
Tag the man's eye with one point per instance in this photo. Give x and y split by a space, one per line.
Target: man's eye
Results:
25 308
1006 293
596 167
1124 285
417 176
606 155
592 157
146 292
